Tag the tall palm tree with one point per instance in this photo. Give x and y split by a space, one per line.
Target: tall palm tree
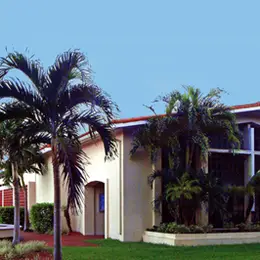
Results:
30 161
55 104
185 130
24 166
17 157
192 117
199 117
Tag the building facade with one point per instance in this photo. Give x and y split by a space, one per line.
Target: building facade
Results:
118 199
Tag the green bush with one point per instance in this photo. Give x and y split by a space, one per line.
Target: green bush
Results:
41 217
7 215
175 228
180 229
196 229
171 227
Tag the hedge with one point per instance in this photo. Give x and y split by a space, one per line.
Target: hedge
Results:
41 216
7 215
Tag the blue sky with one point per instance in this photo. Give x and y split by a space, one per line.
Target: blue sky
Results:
140 49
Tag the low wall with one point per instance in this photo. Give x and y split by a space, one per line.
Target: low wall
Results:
6 231
201 239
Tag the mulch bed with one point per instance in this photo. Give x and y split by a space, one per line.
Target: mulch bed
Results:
73 239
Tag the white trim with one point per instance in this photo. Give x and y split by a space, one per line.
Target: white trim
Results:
213 150
142 122
241 110
46 150
5 187
121 125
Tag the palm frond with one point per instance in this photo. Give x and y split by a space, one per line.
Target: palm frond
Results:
6 173
89 97
68 66
72 159
22 92
96 124
31 68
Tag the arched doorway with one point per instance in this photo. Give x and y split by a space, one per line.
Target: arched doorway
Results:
95 208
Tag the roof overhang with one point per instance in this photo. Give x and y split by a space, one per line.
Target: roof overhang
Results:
123 123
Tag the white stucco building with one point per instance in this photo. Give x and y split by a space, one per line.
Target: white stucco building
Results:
123 182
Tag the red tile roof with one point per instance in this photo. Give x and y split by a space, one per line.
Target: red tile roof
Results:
257 104
144 118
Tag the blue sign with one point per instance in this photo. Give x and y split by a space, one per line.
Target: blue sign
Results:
101 202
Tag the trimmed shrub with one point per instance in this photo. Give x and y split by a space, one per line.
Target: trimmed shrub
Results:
41 217
7 215
175 228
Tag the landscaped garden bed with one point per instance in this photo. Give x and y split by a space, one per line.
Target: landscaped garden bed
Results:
201 239
27 250
181 235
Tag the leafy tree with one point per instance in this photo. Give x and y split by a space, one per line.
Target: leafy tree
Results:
54 105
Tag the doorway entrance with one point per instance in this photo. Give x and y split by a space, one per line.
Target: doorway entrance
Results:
95 208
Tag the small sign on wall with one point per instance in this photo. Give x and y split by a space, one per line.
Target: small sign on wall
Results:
101 202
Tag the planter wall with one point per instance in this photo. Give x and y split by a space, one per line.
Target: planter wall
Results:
201 239
6 231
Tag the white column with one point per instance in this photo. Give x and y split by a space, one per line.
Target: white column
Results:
252 156
107 208
3 198
156 192
13 194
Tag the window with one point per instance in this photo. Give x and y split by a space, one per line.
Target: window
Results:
101 202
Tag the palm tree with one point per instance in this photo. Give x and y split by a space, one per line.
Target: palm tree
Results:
18 156
55 104
185 130
199 117
24 166
30 161
182 190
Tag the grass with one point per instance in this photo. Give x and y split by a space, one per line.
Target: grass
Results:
111 249
20 250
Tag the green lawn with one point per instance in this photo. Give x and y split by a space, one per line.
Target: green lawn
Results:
115 250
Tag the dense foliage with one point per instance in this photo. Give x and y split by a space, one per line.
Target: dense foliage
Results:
7 215
184 135
41 217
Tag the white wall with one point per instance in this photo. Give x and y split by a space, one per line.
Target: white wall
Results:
44 183
98 170
106 172
137 194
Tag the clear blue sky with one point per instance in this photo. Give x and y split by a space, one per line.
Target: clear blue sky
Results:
140 49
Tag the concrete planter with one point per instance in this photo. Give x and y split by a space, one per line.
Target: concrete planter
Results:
6 231
201 239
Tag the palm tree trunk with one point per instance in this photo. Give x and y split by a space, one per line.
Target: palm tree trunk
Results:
67 216
191 155
187 156
16 234
57 203
26 213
